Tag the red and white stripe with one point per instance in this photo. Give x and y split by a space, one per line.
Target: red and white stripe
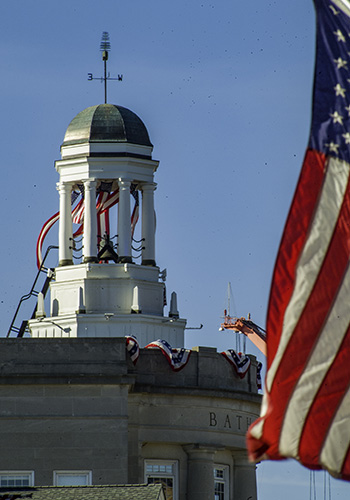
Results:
306 407
134 219
102 217
105 201
48 225
78 212
43 233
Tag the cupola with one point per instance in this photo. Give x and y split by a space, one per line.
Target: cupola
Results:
106 161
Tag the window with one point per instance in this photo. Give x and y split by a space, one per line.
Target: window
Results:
72 478
17 479
163 472
221 482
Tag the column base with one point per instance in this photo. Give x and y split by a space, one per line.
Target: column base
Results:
148 262
65 262
125 260
89 260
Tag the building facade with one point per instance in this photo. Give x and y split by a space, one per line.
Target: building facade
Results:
75 407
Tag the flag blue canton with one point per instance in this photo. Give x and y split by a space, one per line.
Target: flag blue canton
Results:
330 128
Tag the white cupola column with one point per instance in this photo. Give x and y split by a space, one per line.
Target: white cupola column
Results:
124 221
90 222
65 233
148 225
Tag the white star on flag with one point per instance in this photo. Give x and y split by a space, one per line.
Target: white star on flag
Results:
339 90
333 147
347 137
337 118
341 63
340 36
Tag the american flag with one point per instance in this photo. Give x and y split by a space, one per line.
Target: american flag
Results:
306 406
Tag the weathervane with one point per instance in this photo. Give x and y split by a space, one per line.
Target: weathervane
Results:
105 47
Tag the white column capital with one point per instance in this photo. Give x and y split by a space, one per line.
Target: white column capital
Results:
90 183
200 452
241 457
64 186
124 183
149 186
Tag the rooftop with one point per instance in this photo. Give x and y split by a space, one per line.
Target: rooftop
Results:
110 492
106 123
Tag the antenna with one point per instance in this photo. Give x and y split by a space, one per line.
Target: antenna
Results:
228 297
105 47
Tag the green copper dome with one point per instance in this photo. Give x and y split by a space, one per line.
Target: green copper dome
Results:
106 123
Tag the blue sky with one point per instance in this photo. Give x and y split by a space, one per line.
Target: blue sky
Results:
224 89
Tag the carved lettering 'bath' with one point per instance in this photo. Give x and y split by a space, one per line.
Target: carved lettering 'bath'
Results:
229 421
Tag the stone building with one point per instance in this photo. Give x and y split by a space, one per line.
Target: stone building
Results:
74 408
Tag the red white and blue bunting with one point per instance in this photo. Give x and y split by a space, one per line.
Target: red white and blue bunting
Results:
176 357
239 361
258 375
133 348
